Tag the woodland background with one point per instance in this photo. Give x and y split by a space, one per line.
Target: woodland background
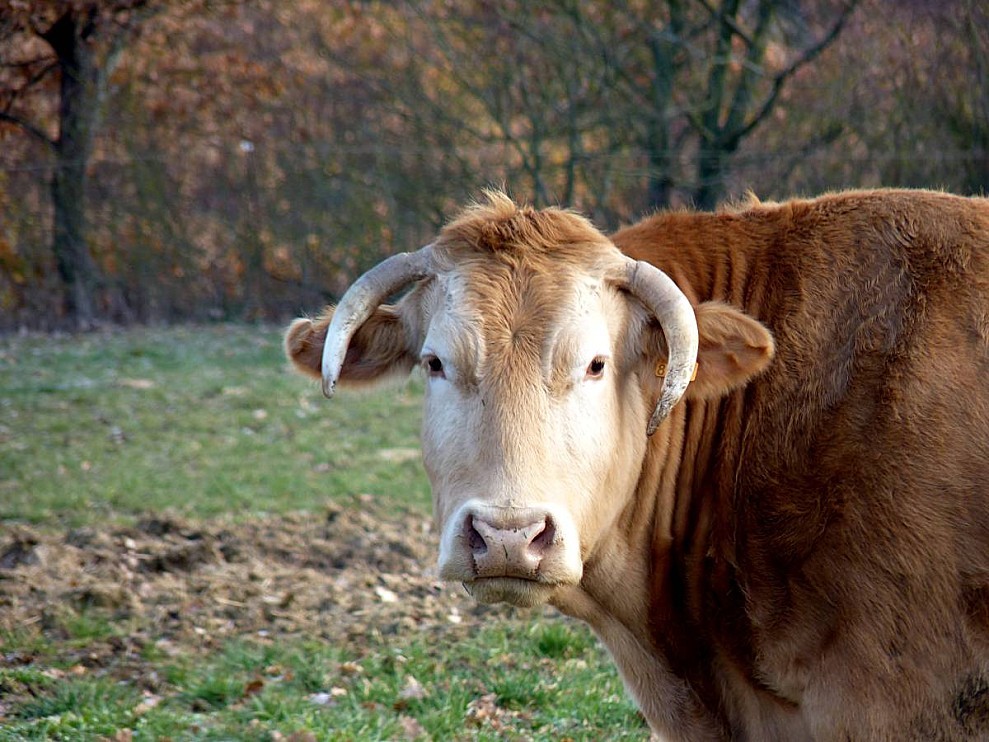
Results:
245 159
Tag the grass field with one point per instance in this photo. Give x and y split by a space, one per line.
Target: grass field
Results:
195 545
203 421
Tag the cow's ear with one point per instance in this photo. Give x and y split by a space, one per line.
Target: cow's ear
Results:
733 349
379 349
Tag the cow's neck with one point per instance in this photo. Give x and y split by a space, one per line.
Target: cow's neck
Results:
679 525
633 587
640 590
668 702
647 593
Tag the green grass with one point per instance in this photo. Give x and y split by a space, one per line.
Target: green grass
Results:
200 421
72 709
209 421
249 690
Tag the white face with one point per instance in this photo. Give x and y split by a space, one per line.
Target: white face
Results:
528 435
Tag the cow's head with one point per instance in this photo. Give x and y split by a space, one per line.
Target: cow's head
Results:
539 341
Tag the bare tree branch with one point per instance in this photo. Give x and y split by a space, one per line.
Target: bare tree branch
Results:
26 62
31 82
27 128
752 68
809 55
722 18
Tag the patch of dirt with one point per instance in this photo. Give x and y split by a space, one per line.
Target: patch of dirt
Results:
347 576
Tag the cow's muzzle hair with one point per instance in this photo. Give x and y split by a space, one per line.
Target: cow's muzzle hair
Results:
653 288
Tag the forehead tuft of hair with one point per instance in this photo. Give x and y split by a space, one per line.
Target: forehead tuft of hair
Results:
497 225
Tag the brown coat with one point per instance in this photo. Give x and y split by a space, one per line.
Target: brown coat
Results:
805 551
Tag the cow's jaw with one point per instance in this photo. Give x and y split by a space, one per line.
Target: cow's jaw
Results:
520 593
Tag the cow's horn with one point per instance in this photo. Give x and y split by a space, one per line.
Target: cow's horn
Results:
663 298
361 299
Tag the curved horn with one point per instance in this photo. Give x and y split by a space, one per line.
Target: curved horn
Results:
666 301
361 299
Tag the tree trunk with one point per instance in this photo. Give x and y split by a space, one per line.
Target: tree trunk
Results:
78 109
660 184
663 47
710 176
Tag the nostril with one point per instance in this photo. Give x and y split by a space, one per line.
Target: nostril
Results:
475 540
509 545
543 540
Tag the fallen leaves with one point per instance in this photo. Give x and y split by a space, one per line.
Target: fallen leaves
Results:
484 711
140 384
399 455
56 673
328 698
148 702
411 728
304 736
385 595
413 690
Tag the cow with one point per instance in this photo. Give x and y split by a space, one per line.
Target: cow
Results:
749 447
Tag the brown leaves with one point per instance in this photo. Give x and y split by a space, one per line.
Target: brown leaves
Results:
411 728
148 702
485 712
304 736
413 690
138 384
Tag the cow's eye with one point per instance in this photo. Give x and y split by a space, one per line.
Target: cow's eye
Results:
596 368
434 366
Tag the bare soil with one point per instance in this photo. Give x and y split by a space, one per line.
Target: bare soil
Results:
347 576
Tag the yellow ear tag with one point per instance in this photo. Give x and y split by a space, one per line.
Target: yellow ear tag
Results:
661 370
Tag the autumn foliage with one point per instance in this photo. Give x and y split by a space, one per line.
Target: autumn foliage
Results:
248 158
